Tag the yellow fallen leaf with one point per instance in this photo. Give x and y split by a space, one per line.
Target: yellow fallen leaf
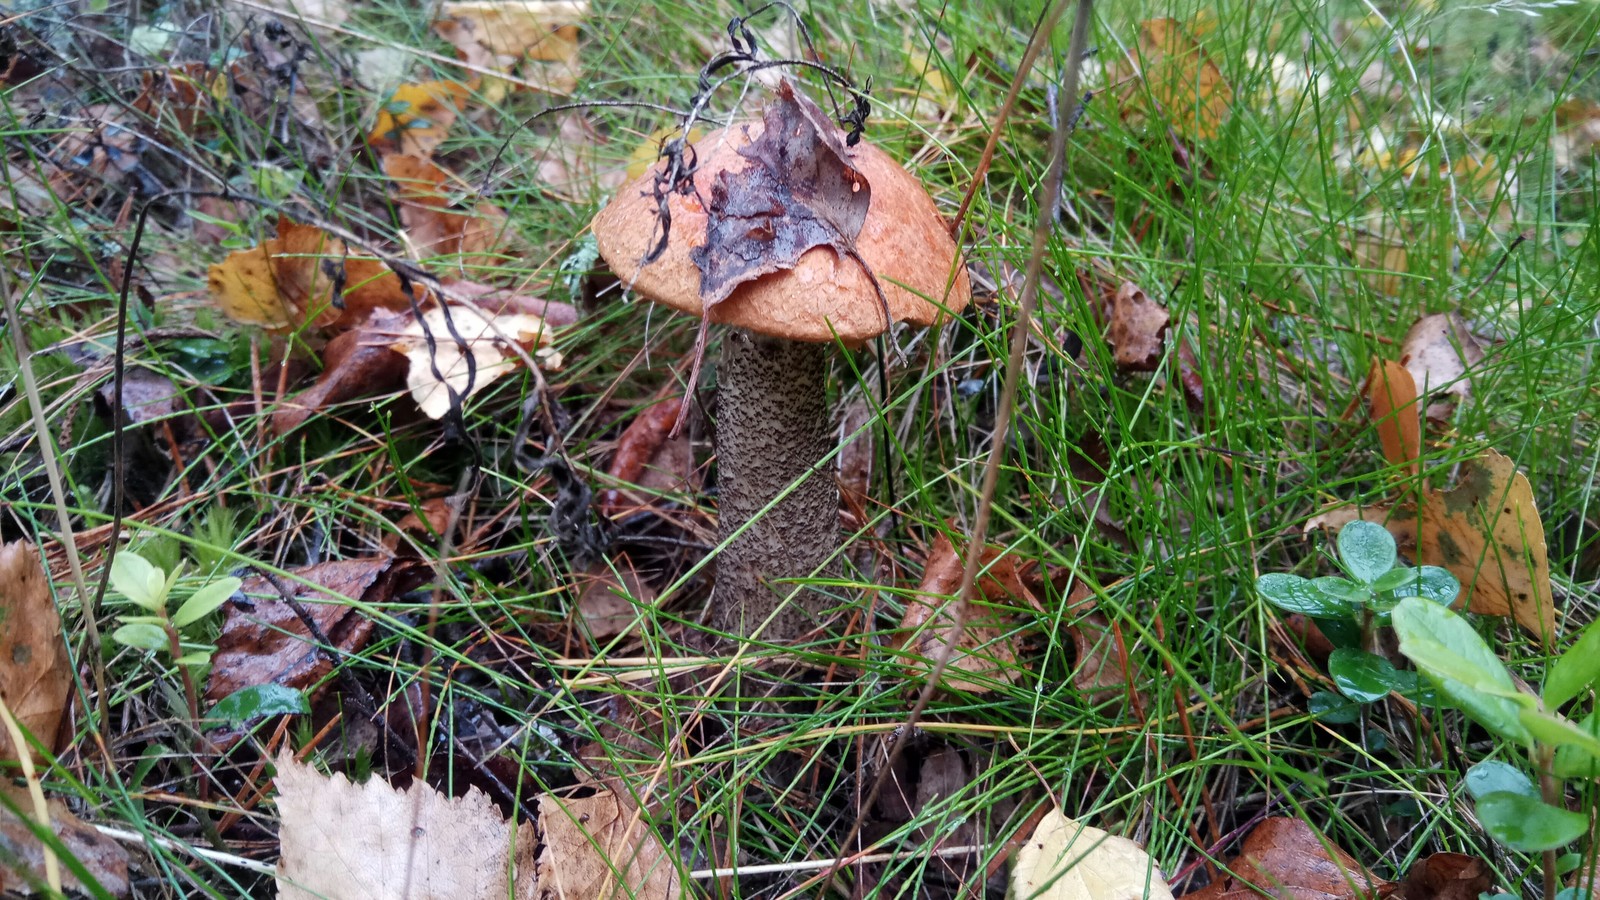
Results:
500 34
1185 85
417 117
1066 860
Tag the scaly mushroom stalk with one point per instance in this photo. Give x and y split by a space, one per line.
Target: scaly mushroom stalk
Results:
772 433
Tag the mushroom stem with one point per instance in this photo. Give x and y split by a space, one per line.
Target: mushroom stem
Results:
772 432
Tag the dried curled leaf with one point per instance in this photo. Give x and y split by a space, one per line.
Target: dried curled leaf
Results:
468 350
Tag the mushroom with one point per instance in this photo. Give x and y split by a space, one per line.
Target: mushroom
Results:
778 514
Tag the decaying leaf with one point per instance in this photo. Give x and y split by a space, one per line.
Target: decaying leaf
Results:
500 34
1066 860
1137 329
436 226
987 650
1486 530
1283 857
1439 352
356 363
609 596
22 856
645 446
1185 86
290 280
799 192
596 847
1392 401
266 642
416 119
1447 876
35 671
468 351
350 841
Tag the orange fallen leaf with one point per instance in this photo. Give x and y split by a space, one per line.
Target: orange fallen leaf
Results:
1392 401
433 222
987 651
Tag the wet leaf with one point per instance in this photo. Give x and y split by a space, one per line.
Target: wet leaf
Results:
370 840
90 853
256 701
800 191
1137 329
1283 857
1529 824
1066 860
1576 670
357 363
611 596
35 671
1444 647
265 642
1361 676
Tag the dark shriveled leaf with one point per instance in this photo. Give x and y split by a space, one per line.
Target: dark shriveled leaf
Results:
800 192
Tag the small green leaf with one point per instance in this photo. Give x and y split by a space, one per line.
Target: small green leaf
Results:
1445 648
1573 761
1568 862
1528 824
1341 589
1575 670
1496 777
205 601
1295 594
1366 549
1558 731
141 636
1395 579
1438 585
135 578
1360 675
143 620
259 700
1326 706
197 658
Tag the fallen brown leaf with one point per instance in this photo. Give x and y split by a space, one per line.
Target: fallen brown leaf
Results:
501 34
604 592
436 227
1185 86
988 647
35 671
268 643
289 281
1137 329
22 856
1283 858
357 363
469 350
1446 876
638 449
343 840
